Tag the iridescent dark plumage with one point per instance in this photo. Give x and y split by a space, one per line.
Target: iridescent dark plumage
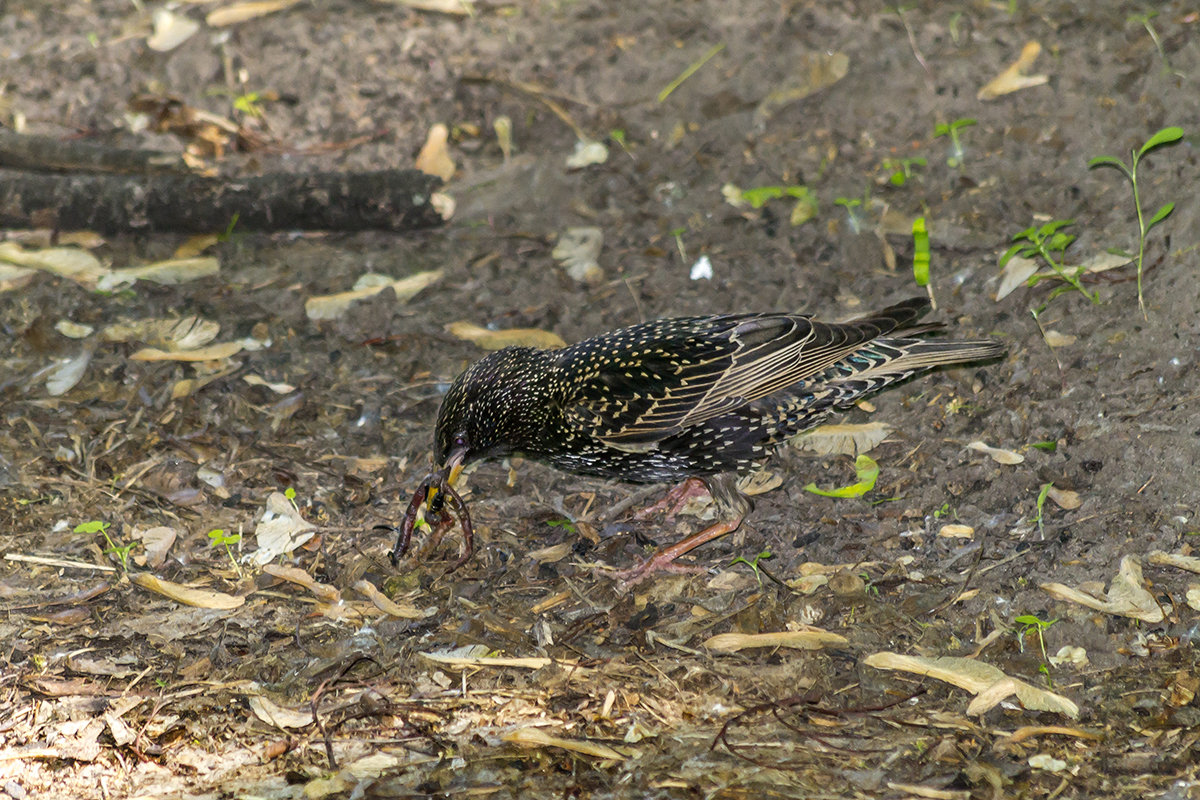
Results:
684 397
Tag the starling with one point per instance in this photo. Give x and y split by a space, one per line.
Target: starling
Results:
690 397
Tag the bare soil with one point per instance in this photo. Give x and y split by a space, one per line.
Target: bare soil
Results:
113 690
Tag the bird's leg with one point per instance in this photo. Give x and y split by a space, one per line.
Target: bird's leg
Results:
664 560
674 500
731 504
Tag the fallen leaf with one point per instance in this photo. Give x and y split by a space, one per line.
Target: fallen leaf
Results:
1064 498
434 158
386 604
496 340
64 377
1006 457
68 262
171 272
842 439
214 352
170 30
867 471
1013 78
278 716
955 531
1016 272
813 72
332 306
1161 559
536 737
578 250
459 8
322 591
977 678
1127 594
587 153
1055 339
806 639
280 531
245 11
200 598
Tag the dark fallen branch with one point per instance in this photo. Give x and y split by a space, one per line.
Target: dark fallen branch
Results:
391 200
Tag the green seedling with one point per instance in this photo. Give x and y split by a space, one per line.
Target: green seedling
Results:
618 136
565 524
218 538
753 564
121 551
855 210
867 471
1041 506
1165 136
1048 243
1032 624
806 200
249 104
951 130
921 255
1049 445
290 494
944 511
1144 21
678 234
689 72
902 169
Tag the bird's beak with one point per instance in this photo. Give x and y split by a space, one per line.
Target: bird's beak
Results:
448 475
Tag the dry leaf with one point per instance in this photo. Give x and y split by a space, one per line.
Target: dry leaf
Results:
578 250
156 543
502 661
68 262
170 30
14 277
277 715
331 306
1064 498
1013 78
214 352
806 639
536 737
496 340
322 591
549 555
586 153
1055 339
386 604
281 530
954 531
1007 457
814 71
1161 559
168 273
1017 271
989 683
759 482
1127 594
200 598
64 377
434 158
842 439
245 11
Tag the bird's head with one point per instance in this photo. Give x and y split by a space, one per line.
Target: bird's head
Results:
492 409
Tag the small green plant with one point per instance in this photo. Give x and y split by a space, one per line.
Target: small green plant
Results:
944 511
218 538
921 255
952 130
121 551
290 494
856 208
806 206
753 564
1035 624
249 104
1165 136
1041 506
565 524
1049 242
867 471
678 234
902 169
1049 445
1144 21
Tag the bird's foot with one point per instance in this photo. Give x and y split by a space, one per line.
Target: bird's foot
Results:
674 500
664 560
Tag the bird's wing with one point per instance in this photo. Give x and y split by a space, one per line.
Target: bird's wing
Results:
642 384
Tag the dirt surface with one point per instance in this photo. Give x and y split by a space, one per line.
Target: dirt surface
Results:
112 689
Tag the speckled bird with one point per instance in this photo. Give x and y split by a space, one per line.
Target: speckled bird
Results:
689 397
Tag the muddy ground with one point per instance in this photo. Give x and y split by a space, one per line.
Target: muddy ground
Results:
112 689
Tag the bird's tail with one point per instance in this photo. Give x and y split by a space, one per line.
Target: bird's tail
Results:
892 359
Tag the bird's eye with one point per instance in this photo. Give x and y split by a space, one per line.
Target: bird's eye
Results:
460 441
